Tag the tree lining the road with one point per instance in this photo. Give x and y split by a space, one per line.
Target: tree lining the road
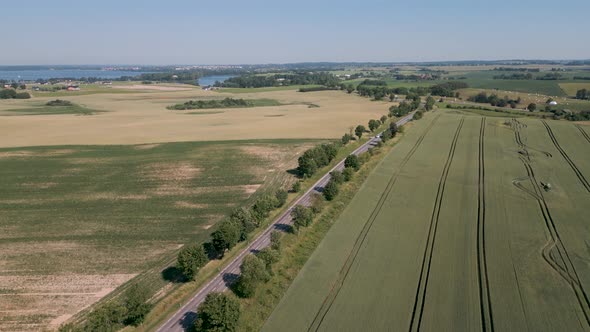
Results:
316 158
238 225
219 312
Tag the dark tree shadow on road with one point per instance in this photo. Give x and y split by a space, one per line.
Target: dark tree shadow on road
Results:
230 279
188 321
283 228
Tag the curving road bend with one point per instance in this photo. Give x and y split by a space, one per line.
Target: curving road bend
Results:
186 315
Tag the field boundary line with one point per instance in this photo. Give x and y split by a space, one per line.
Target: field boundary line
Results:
351 258
421 290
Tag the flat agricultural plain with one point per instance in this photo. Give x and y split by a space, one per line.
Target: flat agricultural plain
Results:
456 230
94 195
78 221
127 116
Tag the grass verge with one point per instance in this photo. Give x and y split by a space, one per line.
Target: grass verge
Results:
297 248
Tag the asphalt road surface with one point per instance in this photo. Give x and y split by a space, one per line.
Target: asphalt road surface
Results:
186 315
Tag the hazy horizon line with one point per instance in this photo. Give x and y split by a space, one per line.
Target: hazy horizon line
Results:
298 62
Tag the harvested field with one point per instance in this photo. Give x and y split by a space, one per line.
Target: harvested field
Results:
456 231
142 117
76 222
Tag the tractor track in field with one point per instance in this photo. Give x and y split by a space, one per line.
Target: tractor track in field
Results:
583 132
482 266
524 154
343 274
565 156
420 299
554 251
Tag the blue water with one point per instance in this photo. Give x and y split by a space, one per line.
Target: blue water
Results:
210 80
32 75
35 74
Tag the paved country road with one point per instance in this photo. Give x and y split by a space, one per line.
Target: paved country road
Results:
186 315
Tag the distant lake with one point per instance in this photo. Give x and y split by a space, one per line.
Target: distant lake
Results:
210 80
35 74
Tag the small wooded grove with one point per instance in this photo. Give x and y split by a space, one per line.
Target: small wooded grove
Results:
12 94
204 104
295 78
378 91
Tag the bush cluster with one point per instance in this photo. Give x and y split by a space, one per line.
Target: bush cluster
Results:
316 158
59 102
205 104
12 94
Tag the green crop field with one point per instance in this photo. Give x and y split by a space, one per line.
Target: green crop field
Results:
571 88
456 231
484 80
78 221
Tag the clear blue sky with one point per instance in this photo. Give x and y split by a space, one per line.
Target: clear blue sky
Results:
256 31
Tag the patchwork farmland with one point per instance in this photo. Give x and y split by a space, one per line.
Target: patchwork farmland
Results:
471 223
79 221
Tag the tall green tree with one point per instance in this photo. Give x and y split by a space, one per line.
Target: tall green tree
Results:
429 103
348 173
417 115
219 312
359 130
269 256
330 190
386 136
374 124
245 220
226 236
296 187
302 216
135 301
281 196
393 129
346 138
263 205
352 161
191 259
106 318
532 107
275 240
252 272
